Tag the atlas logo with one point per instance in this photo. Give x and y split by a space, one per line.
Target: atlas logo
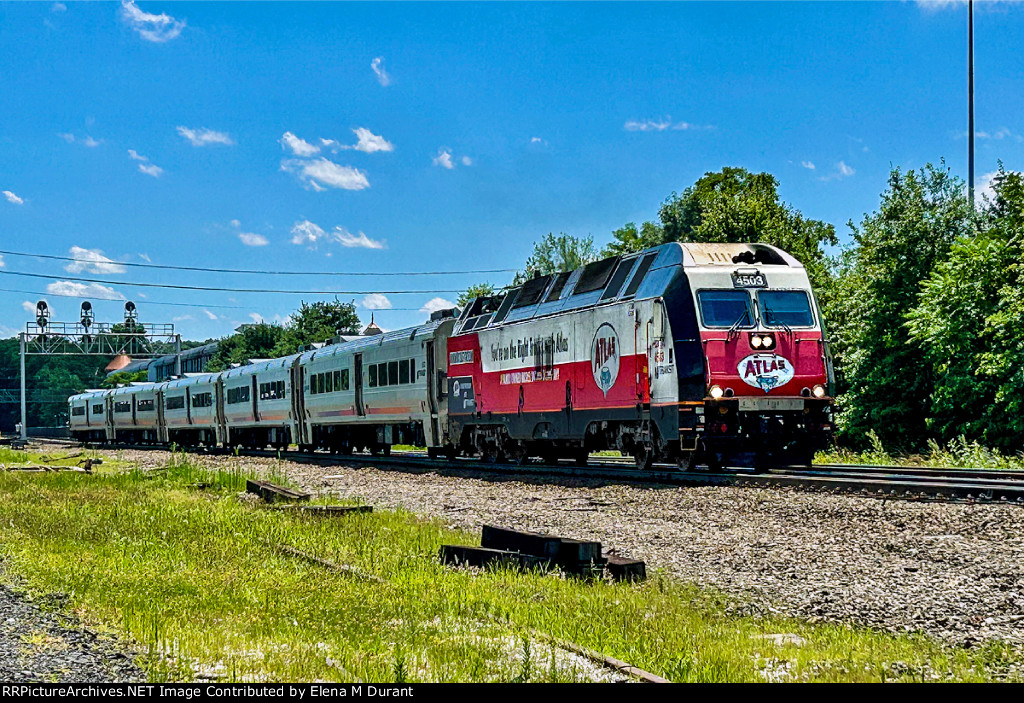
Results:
765 371
604 357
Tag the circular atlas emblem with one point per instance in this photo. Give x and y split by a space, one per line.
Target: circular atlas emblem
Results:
604 357
765 371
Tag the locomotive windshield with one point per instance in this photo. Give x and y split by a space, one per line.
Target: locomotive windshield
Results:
789 308
725 308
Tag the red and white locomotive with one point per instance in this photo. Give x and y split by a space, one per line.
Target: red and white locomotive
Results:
686 352
690 353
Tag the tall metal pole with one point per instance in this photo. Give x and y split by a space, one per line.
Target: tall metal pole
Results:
24 413
970 101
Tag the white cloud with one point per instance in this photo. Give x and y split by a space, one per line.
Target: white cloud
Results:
256 317
844 170
370 142
983 189
298 146
2 262
58 7
323 172
151 170
145 257
309 234
466 161
182 318
376 301
236 223
250 239
29 307
378 68
647 126
435 304
85 141
205 137
90 142
91 261
12 198
306 232
807 164
209 314
155 28
136 155
661 125
536 140
444 159
67 136
83 290
361 241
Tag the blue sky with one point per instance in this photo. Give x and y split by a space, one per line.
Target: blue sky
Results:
404 137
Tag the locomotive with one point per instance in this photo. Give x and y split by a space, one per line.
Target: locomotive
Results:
684 353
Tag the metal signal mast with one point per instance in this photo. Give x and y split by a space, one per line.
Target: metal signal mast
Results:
44 337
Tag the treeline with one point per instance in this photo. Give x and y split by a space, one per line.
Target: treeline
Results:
924 307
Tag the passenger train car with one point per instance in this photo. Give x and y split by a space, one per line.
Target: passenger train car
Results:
689 353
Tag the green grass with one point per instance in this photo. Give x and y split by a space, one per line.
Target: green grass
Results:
959 453
190 576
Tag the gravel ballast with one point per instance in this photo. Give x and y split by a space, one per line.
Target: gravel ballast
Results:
37 646
954 571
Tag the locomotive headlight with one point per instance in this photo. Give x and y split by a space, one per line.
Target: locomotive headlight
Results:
715 392
819 391
755 341
767 341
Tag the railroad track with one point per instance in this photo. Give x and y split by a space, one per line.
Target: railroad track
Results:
948 484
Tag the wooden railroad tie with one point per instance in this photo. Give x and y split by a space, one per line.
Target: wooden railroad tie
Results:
531 550
272 493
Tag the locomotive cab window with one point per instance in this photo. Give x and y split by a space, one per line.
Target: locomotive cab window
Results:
725 308
788 308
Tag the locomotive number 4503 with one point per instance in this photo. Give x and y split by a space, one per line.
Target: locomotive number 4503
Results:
749 280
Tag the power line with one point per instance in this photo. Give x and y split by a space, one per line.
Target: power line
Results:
223 290
255 271
121 300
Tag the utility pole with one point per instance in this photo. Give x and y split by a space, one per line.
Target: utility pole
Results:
970 101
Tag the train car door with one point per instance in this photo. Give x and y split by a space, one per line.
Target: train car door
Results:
661 374
433 393
218 397
357 371
255 400
298 405
161 425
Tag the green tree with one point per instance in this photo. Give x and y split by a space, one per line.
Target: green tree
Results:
317 322
258 341
475 291
123 378
968 322
553 254
735 205
890 382
629 239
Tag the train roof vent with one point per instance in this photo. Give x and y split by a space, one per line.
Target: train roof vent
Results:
442 314
532 291
730 253
595 275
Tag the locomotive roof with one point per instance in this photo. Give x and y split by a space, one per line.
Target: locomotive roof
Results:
634 276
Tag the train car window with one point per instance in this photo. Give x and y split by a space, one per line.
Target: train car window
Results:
328 382
280 389
556 290
344 379
123 406
505 306
403 371
312 385
202 400
145 405
393 372
618 278
638 277
595 276
532 291
725 308
97 409
78 410
175 402
788 308
337 380
238 395
373 376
